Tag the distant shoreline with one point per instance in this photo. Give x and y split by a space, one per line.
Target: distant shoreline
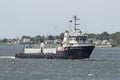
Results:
106 46
97 46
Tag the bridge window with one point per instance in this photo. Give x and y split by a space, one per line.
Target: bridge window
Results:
83 38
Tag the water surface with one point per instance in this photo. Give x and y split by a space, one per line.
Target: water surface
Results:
104 64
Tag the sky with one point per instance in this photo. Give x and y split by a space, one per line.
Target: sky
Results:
51 17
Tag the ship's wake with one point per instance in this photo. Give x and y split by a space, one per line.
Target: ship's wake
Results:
8 57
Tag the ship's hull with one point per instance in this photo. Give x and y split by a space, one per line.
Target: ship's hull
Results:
69 53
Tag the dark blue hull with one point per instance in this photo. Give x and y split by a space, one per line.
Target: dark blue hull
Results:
69 53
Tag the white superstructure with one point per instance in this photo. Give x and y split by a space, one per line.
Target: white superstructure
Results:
73 38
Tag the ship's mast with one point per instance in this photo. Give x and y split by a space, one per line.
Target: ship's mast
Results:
75 24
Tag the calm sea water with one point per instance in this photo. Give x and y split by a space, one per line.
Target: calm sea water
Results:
104 64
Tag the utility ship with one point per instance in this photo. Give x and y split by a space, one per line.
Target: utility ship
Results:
75 45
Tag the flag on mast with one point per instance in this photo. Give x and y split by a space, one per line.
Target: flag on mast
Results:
70 21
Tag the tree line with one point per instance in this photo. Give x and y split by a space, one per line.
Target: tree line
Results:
35 40
106 36
38 39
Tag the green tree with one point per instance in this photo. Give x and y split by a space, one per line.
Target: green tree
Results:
23 37
105 36
5 40
98 37
116 37
92 35
38 39
50 37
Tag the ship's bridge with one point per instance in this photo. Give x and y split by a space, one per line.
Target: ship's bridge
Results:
77 39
